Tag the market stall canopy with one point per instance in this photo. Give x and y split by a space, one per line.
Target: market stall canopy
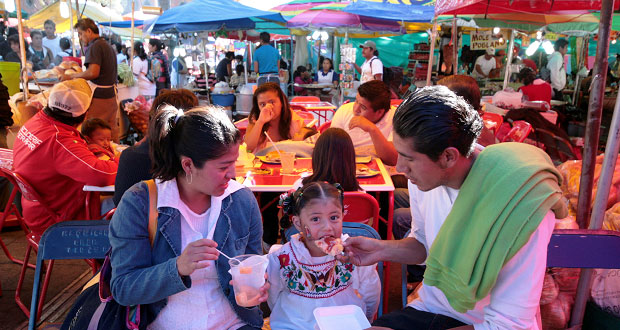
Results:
545 7
89 9
419 11
212 15
331 17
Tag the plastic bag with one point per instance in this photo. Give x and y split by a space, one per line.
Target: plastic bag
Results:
567 223
606 290
138 113
566 278
612 218
556 314
550 290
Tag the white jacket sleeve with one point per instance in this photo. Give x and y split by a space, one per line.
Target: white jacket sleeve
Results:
369 288
515 298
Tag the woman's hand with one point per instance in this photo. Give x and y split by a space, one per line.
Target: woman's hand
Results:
361 251
264 290
266 114
196 255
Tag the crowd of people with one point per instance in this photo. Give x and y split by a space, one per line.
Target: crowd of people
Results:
447 168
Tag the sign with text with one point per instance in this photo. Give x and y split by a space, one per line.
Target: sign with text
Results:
483 39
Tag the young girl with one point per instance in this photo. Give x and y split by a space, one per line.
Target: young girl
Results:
333 160
271 113
303 277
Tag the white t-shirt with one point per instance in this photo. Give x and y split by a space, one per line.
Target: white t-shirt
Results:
370 68
485 65
53 45
120 58
514 300
557 71
140 69
203 305
360 138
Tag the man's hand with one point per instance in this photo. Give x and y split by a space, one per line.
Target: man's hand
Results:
361 122
266 114
361 251
196 255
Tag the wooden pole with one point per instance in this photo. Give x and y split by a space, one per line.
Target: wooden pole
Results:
595 110
430 57
455 47
73 49
22 48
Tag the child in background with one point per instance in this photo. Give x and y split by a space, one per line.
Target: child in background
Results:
302 276
98 134
302 77
238 76
333 160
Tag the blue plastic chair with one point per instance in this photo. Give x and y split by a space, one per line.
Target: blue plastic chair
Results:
572 248
353 229
83 239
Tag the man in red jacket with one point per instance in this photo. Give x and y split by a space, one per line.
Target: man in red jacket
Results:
52 156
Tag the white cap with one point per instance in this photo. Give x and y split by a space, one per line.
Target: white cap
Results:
72 96
490 51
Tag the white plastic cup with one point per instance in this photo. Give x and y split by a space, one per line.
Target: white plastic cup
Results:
288 162
248 274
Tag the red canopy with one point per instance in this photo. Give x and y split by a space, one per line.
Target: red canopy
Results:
548 7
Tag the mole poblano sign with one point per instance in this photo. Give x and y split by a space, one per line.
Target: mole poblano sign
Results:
483 39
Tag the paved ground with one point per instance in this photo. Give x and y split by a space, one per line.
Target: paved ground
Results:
66 271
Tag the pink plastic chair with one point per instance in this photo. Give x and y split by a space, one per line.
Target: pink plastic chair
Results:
492 121
519 132
306 99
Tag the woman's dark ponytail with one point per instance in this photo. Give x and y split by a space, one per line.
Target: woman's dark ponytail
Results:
164 159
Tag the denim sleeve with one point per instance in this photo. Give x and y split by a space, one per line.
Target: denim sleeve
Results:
135 280
255 245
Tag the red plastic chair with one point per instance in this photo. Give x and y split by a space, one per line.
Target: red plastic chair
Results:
325 126
396 102
297 107
519 132
306 99
492 121
362 208
305 114
29 193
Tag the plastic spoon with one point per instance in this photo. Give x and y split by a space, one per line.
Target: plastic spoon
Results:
227 257
273 144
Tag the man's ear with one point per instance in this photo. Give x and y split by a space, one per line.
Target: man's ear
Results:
449 157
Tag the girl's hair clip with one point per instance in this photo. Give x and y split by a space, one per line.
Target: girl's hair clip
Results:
287 201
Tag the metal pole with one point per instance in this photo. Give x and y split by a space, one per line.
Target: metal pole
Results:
582 59
22 48
291 65
245 67
430 57
133 9
511 48
72 28
598 210
455 47
595 109
204 49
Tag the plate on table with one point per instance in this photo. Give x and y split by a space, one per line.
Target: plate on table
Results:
363 171
363 159
269 160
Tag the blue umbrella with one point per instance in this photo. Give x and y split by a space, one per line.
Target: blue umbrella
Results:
212 15
421 11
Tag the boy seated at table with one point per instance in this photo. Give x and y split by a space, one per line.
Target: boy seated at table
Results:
301 76
98 134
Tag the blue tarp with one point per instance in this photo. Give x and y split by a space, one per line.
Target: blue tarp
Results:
122 24
421 11
212 15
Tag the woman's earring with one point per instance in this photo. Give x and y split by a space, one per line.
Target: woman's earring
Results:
188 178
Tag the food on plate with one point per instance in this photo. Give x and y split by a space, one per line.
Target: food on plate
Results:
273 156
361 168
330 245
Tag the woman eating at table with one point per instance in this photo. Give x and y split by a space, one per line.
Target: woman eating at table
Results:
272 114
301 76
183 279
